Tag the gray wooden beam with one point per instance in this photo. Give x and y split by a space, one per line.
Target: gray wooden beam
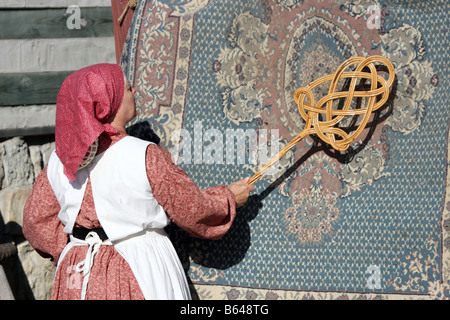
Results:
45 55
27 120
30 88
52 23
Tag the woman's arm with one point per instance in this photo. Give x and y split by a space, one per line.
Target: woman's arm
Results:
41 225
202 213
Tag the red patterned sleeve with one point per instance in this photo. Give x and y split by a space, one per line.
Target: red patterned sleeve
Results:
202 213
41 225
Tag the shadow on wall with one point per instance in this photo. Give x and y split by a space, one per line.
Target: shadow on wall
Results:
10 236
144 131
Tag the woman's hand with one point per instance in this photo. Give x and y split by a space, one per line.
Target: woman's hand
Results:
241 191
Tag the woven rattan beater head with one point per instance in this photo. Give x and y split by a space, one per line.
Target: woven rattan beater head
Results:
322 117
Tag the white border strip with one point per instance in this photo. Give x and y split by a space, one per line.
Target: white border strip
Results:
445 219
226 292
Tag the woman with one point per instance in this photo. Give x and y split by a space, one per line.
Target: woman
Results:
100 219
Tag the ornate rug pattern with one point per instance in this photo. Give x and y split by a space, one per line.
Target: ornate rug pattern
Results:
372 222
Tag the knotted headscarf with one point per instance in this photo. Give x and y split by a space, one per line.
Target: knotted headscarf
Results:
86 101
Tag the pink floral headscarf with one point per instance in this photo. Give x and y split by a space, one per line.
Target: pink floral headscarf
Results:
86 101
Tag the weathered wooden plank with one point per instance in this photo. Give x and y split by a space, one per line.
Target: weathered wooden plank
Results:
52 23
44 55
30 88
27 120
26 132
54 3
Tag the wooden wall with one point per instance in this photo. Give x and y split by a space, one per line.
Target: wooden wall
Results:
38 50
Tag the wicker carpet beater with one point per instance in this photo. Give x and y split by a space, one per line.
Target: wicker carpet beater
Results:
328 109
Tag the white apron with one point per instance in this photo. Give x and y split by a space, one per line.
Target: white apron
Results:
129 214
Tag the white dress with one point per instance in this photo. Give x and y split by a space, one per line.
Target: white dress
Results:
129 214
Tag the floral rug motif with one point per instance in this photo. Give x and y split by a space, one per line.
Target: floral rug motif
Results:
371 222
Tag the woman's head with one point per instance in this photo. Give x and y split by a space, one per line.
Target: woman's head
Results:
86 102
